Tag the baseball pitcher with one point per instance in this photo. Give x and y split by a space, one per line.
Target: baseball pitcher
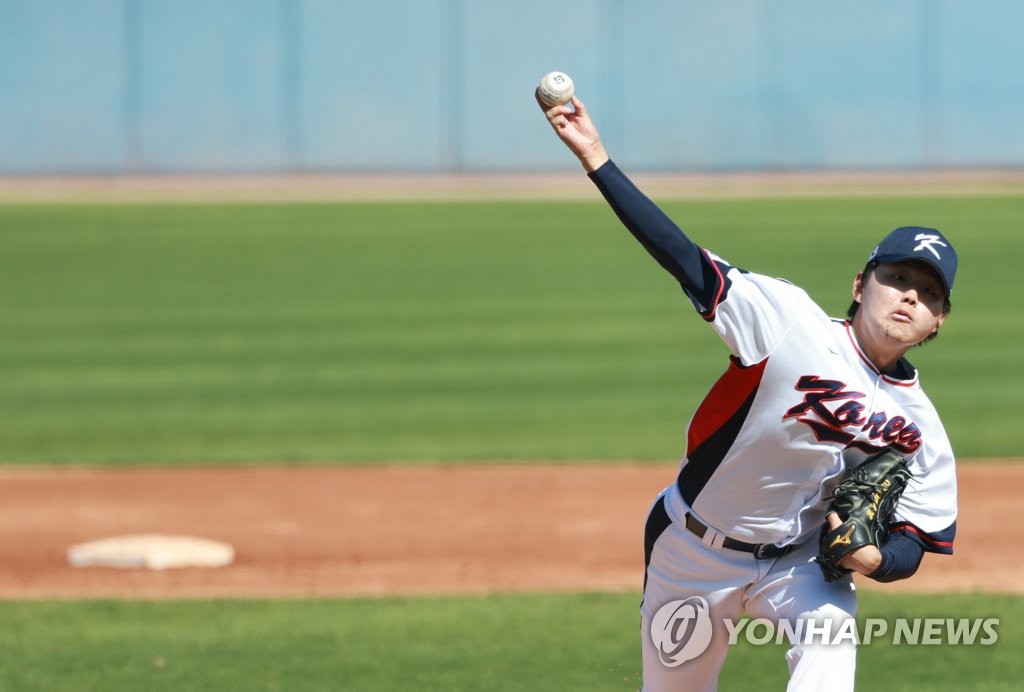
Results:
815 455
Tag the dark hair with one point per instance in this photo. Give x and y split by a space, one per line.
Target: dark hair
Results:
854 306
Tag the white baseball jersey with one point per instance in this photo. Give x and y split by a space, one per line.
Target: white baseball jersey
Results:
798 406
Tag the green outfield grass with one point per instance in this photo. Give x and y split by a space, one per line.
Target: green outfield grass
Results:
376 332
527 642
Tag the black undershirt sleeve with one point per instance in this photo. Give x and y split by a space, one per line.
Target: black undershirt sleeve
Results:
901 556
659 235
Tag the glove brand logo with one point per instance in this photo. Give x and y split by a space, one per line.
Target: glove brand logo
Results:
843 538
876 498
681 630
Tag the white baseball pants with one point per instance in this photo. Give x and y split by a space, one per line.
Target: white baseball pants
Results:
734 583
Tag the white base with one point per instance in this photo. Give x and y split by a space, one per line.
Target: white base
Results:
151 551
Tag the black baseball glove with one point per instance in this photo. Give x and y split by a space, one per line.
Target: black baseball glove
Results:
865 502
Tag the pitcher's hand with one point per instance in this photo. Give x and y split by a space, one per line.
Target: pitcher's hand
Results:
574 127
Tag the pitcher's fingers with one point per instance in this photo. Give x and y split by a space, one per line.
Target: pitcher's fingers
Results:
549 110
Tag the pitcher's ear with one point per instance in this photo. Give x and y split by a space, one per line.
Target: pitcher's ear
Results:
858 287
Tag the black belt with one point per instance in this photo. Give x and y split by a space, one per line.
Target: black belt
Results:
761 551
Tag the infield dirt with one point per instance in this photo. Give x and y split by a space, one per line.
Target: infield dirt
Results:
412 530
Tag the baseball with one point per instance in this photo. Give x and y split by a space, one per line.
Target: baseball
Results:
555 89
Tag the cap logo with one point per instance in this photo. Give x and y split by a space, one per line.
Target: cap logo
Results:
928 240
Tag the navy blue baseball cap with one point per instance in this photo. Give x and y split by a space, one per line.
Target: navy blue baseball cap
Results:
918 243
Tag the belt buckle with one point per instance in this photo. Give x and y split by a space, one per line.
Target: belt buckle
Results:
762 550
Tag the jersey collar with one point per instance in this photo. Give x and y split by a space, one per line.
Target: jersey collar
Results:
903 375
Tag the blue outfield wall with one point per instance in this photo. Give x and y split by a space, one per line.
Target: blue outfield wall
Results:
122 86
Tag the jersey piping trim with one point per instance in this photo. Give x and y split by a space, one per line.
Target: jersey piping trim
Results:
720 284
931 543
867 362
